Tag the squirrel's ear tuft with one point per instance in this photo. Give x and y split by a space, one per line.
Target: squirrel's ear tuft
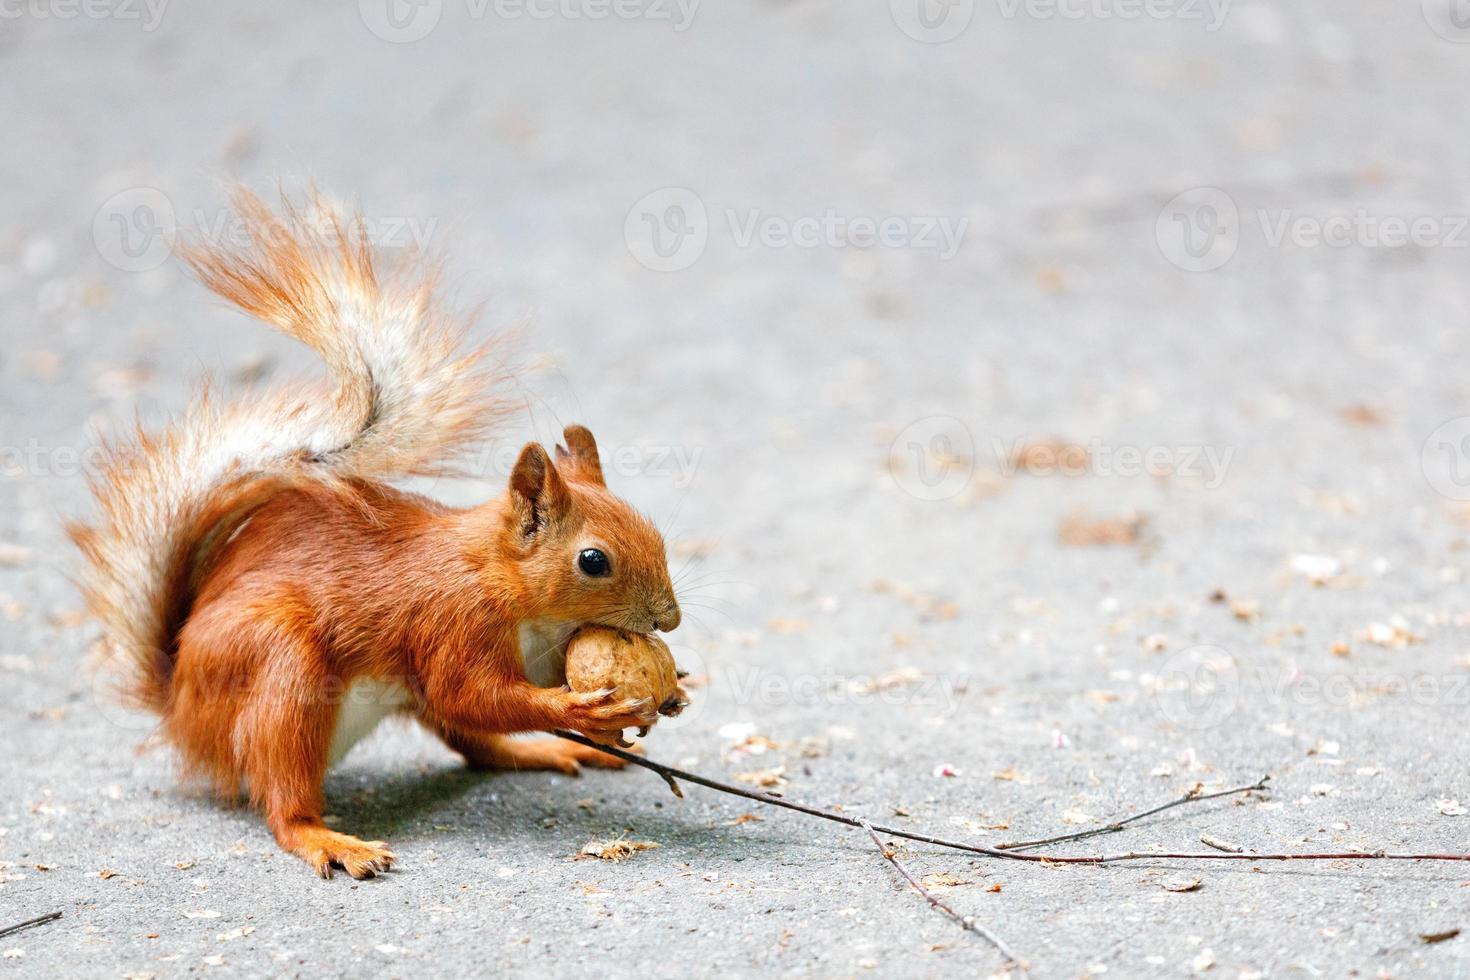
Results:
579 457
536 490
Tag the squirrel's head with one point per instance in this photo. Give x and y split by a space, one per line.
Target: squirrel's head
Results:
586 555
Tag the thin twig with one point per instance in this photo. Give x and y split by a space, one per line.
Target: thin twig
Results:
1223 856
669 773
38 920
1193 796
965 921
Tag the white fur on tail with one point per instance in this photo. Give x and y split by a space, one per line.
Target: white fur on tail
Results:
404 400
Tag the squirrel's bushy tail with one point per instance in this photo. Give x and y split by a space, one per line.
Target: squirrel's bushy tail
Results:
404 399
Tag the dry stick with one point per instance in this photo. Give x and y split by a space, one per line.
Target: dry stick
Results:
38 920
669 773
965 921
1193 796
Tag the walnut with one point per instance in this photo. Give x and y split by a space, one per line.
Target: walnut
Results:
632 664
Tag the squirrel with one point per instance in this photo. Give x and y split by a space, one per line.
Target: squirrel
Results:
267 594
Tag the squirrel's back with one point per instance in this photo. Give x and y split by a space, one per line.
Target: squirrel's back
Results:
403 398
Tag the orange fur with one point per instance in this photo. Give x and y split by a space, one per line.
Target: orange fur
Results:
250 566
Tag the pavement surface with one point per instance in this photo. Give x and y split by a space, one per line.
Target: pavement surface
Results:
1059 406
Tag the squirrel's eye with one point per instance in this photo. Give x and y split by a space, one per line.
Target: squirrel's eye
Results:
593 562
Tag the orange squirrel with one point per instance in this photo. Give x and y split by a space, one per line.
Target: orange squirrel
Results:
272 599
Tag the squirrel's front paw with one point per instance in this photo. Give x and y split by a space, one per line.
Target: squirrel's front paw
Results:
604 713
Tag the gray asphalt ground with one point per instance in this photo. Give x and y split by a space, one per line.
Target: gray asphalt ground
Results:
824 422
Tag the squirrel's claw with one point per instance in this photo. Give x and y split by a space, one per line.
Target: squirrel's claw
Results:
598 713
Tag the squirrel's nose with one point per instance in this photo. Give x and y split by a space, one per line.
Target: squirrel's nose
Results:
668 621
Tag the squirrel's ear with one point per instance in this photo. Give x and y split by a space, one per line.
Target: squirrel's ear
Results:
579 456
536 490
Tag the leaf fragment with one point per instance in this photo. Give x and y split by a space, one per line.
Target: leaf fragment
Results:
1182 885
